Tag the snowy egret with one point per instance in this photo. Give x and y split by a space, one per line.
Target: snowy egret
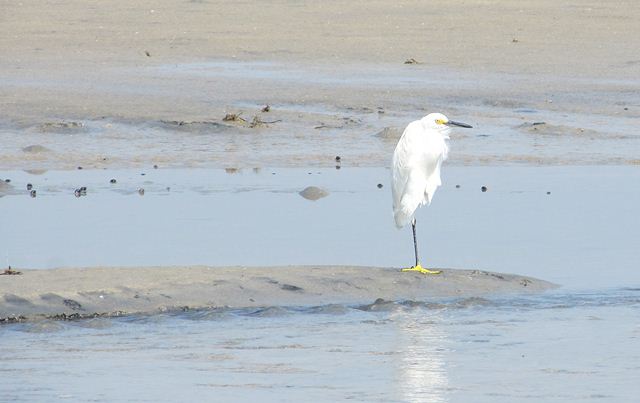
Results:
416 170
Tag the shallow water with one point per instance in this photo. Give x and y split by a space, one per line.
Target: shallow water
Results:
574 344
582 234
555 347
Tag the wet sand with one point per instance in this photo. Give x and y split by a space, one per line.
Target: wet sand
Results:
86 292
541 36
144 85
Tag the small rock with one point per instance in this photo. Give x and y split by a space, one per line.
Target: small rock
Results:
141 192
389 133
457 186
548 193
484 188
77 193
75 305
112 181
233 117
313 193
338 158
32 193
290 287
267 108
29 186
10 272
379 185
411 61
79 167
7 180
155 167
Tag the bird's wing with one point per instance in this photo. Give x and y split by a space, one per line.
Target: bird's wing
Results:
415 171
408 175
436 151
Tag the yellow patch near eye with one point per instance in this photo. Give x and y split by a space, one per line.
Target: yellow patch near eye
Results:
440 121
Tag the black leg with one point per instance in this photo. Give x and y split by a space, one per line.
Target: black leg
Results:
415 241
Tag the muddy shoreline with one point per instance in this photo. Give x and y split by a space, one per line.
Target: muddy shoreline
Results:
75 293
98 93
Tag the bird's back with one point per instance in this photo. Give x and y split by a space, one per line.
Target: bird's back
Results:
416 170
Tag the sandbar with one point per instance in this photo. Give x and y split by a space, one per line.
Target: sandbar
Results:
70 293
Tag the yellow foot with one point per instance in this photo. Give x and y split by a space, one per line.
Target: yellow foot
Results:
422 270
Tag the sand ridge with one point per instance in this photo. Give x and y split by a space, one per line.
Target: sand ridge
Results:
85 292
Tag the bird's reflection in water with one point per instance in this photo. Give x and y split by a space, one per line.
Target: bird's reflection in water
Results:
421 360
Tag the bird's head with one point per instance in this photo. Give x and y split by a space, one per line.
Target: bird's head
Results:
441 123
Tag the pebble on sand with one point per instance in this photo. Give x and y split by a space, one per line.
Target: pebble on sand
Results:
112 181
484 188
313 193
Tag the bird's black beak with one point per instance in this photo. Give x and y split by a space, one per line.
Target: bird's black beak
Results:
459 124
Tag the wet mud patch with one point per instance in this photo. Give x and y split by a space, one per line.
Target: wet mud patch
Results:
282 286
64 127
36 149
75 305
195 127
549 129
13 299
290 287
381 305
268 312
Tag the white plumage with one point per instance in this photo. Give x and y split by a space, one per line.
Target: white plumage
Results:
415 170
416 165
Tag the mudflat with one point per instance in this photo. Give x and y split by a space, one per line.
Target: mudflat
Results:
87 292
140 83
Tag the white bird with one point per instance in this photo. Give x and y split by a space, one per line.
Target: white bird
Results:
416 170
